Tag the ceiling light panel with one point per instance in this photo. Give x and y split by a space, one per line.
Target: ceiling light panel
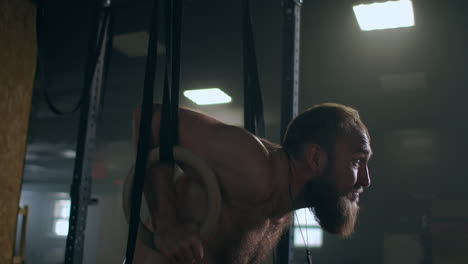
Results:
208 96
391 14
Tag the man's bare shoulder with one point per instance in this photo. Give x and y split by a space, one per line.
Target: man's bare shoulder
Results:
243 165
199 124
240 159
201 132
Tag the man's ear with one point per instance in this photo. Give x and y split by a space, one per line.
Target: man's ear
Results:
316 157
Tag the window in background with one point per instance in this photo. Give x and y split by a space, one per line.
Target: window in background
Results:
312 234
61 216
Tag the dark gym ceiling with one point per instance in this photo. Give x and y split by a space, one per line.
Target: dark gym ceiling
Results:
409 84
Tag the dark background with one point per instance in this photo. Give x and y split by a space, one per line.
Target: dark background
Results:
409 84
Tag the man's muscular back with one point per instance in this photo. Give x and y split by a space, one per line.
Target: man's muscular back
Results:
247 178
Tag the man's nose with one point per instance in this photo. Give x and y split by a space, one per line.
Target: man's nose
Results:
364 177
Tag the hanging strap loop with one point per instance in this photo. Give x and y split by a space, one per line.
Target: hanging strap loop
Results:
169 134
144 135
253 103
169 129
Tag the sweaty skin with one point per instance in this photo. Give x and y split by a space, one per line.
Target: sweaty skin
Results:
252 174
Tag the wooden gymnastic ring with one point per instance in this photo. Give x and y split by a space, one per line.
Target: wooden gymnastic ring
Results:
209 182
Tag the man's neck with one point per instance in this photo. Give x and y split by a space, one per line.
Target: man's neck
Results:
290 183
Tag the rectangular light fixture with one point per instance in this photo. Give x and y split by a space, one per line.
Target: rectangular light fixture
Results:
391 14
208 96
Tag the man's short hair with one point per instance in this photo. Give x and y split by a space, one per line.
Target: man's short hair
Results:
321 124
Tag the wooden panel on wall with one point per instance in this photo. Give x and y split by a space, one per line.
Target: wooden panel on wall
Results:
18 59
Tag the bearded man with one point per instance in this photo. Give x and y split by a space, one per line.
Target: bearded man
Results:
321 165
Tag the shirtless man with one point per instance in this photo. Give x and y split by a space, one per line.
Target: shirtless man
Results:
321 165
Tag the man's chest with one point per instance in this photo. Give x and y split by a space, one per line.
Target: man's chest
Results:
247 236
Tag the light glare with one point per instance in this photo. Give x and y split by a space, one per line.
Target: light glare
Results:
208 96
392 14
69 154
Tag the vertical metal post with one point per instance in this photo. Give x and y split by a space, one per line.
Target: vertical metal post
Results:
85 150
290 82
290 97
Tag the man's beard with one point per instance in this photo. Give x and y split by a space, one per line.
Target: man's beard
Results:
335 212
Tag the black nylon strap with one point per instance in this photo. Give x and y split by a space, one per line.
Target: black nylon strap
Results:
253 103
144 135
177 31
166 140
165 135
169 116
169 129
249 114
42 79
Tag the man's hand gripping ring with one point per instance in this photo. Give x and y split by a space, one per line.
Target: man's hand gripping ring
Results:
209 182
